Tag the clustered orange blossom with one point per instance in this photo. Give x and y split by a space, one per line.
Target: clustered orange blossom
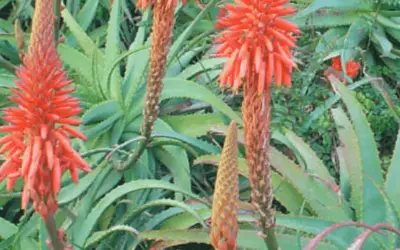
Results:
37 146
258 41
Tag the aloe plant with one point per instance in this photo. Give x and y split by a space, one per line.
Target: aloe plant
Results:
113 102
316 202
355 28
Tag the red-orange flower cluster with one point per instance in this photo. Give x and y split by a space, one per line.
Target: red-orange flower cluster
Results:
37 147
352 68
257 41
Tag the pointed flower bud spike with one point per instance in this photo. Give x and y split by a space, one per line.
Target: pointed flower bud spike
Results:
224 225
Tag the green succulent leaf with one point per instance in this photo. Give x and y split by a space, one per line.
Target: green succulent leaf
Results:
378 35
180 88
7 81
88 46
247 239
334 4
358 31
112 52
87 13
284 190
76 60
352 166
342 237
330 102
327 19
371 166
195 124
7 229
92 218
318 192
101 112
393 176
102 235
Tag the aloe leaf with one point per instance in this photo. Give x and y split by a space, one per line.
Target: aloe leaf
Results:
247 239
330 102
176 160
392 218
201 66
379 36
7 81
351 159
371 165
84 206
330 18
199 144
115 194
177 218
76 60
179 88
88 46
321 196
73 191
358 31
7 229
110 181
314 165
137 63
97 237
182 39
102 127
195 124
111 53
329 40
284 191
100 112
393 176
336 4
182 62
87 13
342 237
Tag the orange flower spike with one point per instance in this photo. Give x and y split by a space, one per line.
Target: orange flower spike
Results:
224 226
257 41
37 147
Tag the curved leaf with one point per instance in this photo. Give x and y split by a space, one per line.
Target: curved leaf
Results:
176 87
247 239
352 159
100 112
342 237
371 166
116 194
111 53
393 176
323 200
194 124
7 229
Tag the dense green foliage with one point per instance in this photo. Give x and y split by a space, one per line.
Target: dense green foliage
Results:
336 148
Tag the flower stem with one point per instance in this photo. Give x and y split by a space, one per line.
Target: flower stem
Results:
256 117
270 239
57 13
53 234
